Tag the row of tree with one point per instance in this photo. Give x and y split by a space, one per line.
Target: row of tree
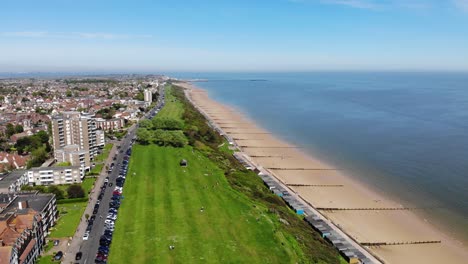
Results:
12 129
160 137
162 123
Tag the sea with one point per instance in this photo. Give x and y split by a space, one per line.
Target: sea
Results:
404 134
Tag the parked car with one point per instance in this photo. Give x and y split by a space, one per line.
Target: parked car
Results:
58 256
56 242
86 235
78 255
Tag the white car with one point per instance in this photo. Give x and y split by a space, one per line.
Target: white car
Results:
86 236
109 221
112 217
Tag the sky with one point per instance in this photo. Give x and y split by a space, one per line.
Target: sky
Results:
240 35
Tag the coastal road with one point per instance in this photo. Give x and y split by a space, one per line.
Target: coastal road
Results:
75 243
90 247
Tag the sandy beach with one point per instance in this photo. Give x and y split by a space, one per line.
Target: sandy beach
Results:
361 212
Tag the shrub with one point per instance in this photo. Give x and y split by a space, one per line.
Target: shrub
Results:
75 191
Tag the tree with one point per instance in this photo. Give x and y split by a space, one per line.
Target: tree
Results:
10 130
167 123
146 124
38 156
140 96
59 194
75 191
143 135
69 93
19 128
43 136
178 139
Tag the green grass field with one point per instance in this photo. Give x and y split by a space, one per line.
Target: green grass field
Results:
105 152
162 207
173 108
70 215
87 184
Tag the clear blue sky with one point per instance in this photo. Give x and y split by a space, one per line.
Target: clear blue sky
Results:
241 35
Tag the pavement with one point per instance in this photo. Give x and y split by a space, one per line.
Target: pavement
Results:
90 247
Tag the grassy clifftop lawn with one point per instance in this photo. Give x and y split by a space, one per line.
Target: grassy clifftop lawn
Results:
212 211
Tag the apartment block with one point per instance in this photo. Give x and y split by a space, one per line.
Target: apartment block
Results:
148 95
100 139
13 181
55 175
74 128
24 225
110 124
74 155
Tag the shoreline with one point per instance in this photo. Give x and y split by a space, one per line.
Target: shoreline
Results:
346 201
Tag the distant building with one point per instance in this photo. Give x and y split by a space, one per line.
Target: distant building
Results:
17 136
110 124
55 175
13 181
9 161
148 96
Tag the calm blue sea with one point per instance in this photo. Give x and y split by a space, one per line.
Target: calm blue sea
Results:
403 133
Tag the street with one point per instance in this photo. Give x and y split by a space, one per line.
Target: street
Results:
89 247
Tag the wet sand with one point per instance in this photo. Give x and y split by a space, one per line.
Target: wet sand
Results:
359 211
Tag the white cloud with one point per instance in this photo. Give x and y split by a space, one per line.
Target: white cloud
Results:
25 34
382 5
461 4
72 35
362 4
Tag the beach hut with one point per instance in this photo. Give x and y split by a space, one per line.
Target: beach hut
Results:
183 163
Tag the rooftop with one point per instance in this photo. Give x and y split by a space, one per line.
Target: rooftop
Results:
37 201
54 168
7 179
